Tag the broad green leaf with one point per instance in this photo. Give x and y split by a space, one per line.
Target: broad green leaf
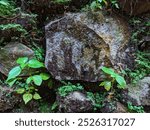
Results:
107 85
27 97
5 3
36 96
14 73
45 76
20 90
22 61
11 82
108 70
37 79
121 81
29 79
35 64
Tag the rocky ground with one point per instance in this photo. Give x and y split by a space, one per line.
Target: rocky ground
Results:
74 44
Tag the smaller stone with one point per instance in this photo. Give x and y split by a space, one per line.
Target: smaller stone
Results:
138 94
109 106
8 102
120 108
75 102
10 53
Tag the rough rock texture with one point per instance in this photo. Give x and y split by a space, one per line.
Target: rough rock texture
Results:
109 106
74 102
10 53
120 108
135 7
138 94
7 102
79 44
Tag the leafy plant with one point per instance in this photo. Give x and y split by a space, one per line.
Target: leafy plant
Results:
100 4
121 83
29 89
66 89
38 52
6 9
61 1
132 108
16 27
97 99
142 67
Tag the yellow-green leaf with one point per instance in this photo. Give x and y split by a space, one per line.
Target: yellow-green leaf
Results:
36 96
27 97
107 85
45 76
35 64
20 90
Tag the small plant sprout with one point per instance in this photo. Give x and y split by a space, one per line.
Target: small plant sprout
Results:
115 77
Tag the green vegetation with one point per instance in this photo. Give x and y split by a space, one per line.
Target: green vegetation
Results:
6 9
142 67
38 52
30 75
61 1
142 56
108 84
100 4
31 81
68 88
137 109
15 27
97 99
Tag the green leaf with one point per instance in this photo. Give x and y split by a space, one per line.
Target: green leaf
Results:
20 90
14 73
35 64
45 76
22 61
108 70
36 96
5 3
37 79
102 84
27 97
54 106
121 81
93 5
12 82
107 85
29 79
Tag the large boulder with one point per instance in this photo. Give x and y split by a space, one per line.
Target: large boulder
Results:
135 7
138 94
79 44
74 102
10 53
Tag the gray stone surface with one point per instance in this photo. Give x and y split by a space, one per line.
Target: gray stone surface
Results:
74 102
140 93
7 99
79 44
10 53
